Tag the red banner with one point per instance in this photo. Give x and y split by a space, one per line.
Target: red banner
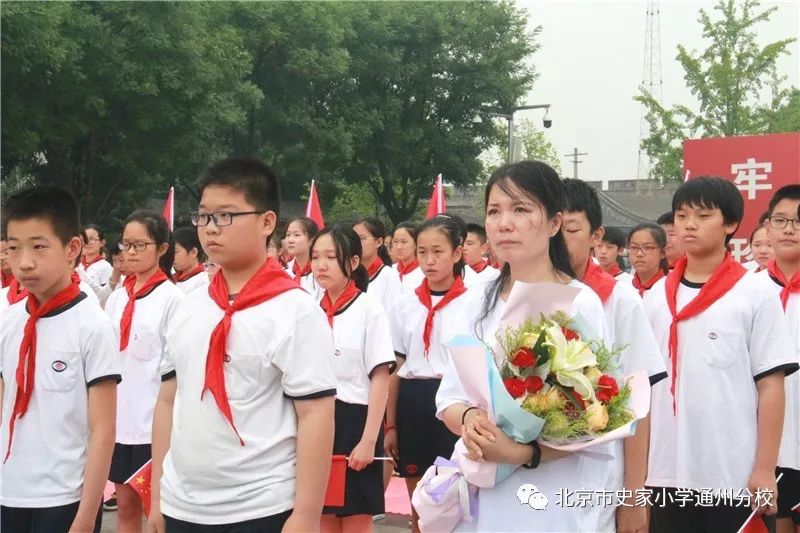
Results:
758 165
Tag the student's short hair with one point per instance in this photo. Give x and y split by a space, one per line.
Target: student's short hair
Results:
248 175
787 192
753 233
711 192
47 202
666 218
448 226
582 198
478 230
614 236
410 227
188 239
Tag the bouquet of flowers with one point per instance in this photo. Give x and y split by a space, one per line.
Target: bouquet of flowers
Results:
555 373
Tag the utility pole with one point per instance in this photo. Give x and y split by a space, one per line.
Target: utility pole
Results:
575 161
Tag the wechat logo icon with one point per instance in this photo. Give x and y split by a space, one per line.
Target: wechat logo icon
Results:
529 494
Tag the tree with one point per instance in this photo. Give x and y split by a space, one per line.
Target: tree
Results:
418 73
735 82
535 145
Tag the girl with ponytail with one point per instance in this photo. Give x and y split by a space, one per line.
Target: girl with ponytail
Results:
363 361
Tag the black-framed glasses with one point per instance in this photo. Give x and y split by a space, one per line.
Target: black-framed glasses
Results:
781 222
636 250
220 218
138 246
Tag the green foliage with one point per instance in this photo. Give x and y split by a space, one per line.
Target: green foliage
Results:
119 100
735 82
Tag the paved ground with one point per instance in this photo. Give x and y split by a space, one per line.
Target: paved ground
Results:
392 524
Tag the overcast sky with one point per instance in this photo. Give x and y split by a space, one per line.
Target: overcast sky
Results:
590 66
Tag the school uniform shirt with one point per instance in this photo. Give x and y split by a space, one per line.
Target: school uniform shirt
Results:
498 507
362 342
410 281
99 272
306 281
385 287
408 326
136 395
710 440
75 350
789 454
625 278
85 288
471 277
194 282
278 351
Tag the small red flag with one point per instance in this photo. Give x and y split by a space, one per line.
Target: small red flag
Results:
169 208
755 524
334 494
140 482
438 203
313 209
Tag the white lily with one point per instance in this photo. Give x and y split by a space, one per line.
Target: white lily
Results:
568 360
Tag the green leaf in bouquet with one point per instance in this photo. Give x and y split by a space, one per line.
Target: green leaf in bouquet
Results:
618 412
567 392
541 351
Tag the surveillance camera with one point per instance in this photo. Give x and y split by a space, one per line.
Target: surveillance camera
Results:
547 122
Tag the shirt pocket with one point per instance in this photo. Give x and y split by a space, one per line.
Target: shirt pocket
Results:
58 370
142 345
242 375
723 346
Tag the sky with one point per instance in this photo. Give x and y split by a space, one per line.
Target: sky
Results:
590 67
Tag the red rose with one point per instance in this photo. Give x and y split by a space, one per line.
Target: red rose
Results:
606 388
523 358
515 387
569 334
577 397
534 384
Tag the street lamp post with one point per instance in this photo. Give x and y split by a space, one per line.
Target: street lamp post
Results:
546 121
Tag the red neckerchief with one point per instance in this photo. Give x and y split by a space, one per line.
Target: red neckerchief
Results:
480 266
183 276
405 269
350 292
26 364
601 282
375 267
15 292
284 258
615 270
726 275
6 279
298 273
649 284
86 264
127 313
790 286
269 281
424 295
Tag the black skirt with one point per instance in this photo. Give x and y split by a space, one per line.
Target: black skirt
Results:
364 489
127 459
421 437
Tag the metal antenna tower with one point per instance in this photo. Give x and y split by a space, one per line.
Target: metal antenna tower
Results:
651 81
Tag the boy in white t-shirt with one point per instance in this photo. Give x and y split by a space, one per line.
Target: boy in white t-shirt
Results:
58 416
476 247
716 420
244 422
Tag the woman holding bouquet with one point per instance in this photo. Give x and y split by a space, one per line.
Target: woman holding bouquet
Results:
524 205
421 321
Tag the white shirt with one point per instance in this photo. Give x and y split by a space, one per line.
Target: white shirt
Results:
74 350
625 278
471 277
789 455
307 281
722 352
99 272
280 350
362 342
194 282
385 287
410 281
498 507
85 288
408 326
136 395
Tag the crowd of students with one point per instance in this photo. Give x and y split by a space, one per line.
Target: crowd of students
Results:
241 358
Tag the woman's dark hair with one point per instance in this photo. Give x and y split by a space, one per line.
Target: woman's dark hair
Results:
410 227
659 235
450 228
158 230
309 226
378 231
539 181
347 245
188 239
